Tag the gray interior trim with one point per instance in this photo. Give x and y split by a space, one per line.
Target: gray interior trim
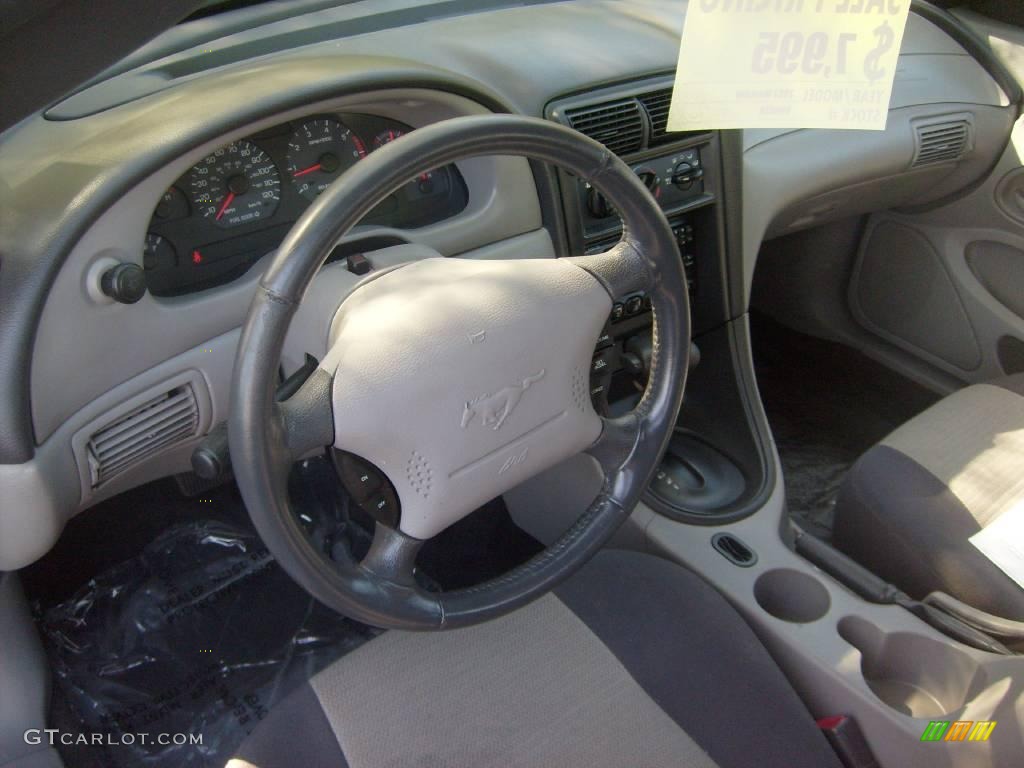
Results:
36 245
302 716
908 527
951 231
666 626
973 442
1000 268
409 699
24 678
901 290
72 326
827 669
47 491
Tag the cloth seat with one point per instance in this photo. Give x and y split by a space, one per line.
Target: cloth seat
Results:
909 506
634 661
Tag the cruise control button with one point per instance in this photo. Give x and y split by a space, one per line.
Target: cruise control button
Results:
383 508
634 305
360 479
617 312
603 362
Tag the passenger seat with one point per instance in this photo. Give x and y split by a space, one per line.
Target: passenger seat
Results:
909 505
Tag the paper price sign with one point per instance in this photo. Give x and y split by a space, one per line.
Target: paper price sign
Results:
787 64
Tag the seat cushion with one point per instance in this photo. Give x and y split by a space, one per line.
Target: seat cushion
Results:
910 505
634 661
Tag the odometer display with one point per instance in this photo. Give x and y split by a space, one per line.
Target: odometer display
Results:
237 184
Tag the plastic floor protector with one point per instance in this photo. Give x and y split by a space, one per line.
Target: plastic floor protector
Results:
196 637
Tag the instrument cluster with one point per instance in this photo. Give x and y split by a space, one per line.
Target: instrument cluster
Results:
238 203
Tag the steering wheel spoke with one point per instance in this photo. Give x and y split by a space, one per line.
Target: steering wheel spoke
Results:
617 443
307 417
392 556
622 270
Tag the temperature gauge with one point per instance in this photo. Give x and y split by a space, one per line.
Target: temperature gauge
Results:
426 182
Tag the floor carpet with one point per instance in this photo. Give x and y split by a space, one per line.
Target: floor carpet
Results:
826 404
163 614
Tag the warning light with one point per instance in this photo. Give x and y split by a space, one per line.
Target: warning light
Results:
197 257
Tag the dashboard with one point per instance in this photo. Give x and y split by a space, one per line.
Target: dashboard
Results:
194 163
237 204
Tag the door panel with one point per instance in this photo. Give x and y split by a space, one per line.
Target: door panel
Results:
947 285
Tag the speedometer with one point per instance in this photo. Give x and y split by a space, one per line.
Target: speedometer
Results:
235 185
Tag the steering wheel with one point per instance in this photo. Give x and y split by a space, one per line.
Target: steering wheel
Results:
457 378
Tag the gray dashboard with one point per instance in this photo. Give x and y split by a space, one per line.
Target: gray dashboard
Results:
79 191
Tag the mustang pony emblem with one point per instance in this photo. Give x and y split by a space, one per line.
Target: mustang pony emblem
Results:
494 409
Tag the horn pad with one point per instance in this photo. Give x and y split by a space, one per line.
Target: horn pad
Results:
460 379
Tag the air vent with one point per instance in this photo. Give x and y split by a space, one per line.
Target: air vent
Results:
657 103
733 550
940 142
619 125
157 424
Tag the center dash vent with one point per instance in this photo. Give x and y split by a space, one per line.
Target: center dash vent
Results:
940 142
619 125
160 423
657 103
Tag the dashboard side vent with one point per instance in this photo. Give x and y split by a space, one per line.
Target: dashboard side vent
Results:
159 423
619 125
940 142
657 103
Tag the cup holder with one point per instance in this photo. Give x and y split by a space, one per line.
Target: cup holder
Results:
791 595
911 673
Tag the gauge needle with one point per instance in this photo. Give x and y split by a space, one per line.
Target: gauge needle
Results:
224 206
304 171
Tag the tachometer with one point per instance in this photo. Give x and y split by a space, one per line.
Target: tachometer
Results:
319 150
235 185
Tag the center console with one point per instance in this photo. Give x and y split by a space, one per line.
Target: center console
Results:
714 468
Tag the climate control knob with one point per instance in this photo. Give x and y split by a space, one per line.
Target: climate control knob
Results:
685 174
650 179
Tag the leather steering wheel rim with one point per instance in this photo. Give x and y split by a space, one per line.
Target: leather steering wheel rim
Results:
266 437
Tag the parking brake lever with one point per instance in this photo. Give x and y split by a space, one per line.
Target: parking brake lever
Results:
863 582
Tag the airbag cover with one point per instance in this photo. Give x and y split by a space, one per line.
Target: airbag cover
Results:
460 379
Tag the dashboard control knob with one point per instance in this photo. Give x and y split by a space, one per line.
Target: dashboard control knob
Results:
597 204
211 460
358 264
124 283
633 365
650 179
685 174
